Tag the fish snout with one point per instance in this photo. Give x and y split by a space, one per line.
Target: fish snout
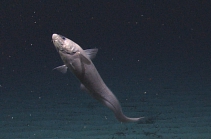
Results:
54 36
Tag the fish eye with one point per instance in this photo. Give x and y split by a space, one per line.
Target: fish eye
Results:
62 37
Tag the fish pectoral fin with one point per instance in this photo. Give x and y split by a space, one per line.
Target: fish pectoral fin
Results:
84 88
62 69
91 53
84 59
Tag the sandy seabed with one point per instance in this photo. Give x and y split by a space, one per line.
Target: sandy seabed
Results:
169 115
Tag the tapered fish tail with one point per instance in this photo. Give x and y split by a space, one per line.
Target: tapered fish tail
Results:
124 119
113 104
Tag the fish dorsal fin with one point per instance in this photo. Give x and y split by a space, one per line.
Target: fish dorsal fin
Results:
91 53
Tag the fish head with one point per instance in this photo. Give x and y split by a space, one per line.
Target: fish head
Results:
70 51
64 44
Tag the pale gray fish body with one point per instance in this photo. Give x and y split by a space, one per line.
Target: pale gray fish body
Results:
78 61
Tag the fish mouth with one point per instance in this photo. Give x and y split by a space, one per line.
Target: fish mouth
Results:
58 37
57 41
55 36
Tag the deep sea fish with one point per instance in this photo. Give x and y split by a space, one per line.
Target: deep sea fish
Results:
79 62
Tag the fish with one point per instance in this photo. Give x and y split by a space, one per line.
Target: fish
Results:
79 62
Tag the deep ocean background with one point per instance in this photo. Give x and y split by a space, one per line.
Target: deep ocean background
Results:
151 47
143 40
